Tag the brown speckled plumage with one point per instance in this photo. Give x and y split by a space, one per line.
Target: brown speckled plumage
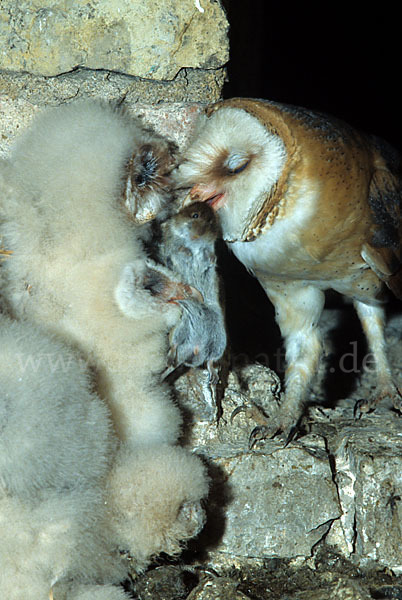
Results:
360 197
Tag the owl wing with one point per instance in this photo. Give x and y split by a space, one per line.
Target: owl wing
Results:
383 251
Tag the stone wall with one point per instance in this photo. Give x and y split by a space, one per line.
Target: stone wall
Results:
149 39
140 53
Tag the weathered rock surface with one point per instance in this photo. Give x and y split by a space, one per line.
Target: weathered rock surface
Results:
334 492
279 501
151 39
368 467
271 512
322 577
147 52
340 483
343 479
220 588
190 85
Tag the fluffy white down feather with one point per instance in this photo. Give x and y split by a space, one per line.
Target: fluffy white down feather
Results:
71 242
97 592
57 448
69 500
63 219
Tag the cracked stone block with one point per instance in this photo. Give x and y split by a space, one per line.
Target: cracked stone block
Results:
152 39
368 464
281 504
273 501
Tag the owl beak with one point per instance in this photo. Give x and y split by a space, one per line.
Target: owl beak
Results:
205 193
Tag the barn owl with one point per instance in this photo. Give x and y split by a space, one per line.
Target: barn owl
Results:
306 203
77 186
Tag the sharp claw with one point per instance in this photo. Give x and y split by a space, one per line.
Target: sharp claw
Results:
266 427
253 412
262 432
237 411
361 407
368 405
259 433
291 435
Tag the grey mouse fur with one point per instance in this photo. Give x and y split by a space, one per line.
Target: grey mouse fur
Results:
187 247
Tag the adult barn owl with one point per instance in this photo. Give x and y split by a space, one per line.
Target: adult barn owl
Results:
306 203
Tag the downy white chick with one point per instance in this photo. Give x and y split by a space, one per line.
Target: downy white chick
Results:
55 433
72 507
153 501
60 538
70 208
56 451
94 592
67 222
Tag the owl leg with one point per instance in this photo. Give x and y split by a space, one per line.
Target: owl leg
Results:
298 310
372 319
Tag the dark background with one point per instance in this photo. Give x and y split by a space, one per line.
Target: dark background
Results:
347 65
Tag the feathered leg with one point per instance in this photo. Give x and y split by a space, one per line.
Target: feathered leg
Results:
372 319
298 310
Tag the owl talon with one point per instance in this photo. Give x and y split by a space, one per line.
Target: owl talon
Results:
262 432
251 411
368 405
291 434
362 406
266 427
237 411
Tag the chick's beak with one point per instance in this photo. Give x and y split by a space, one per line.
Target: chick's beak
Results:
205 193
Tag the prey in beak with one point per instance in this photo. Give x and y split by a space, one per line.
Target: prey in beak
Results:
205 193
